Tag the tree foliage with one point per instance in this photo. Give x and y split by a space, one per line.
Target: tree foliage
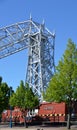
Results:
24 97
63 85
4 95
17 98
31 100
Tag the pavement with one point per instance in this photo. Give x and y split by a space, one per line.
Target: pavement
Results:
37 128
7 127
33 128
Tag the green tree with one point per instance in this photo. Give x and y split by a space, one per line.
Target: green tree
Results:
31 101
4 95
17 98
63 85
24 97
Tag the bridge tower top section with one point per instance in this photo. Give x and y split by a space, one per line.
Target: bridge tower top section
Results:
40 43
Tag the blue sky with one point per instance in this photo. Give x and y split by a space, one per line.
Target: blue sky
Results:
59 15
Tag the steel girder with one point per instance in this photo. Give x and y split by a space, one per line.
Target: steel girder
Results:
40 42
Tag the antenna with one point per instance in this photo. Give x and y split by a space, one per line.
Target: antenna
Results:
43 22
30 16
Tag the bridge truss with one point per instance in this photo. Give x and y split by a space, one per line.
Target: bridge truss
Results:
40 43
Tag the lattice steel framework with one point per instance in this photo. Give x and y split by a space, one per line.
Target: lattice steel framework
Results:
40 42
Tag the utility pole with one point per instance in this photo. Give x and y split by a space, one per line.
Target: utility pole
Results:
10 109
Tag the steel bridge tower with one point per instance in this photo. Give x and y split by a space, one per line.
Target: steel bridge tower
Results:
40 43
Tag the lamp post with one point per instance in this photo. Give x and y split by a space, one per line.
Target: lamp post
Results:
10 109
